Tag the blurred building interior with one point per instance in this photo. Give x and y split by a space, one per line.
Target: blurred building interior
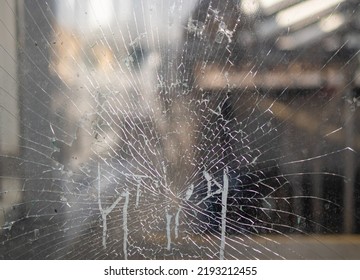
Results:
297 61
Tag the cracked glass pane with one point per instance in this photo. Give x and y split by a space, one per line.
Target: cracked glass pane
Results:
179 129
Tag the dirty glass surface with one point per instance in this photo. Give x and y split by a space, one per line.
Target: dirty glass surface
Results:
179 129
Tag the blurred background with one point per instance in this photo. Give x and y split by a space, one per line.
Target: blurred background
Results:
180 97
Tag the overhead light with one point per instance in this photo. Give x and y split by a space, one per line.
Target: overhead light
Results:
307 10
312 33
332 23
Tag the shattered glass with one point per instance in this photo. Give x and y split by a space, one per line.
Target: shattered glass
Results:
179 129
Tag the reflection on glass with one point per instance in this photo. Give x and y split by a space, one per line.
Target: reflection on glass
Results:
179 129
